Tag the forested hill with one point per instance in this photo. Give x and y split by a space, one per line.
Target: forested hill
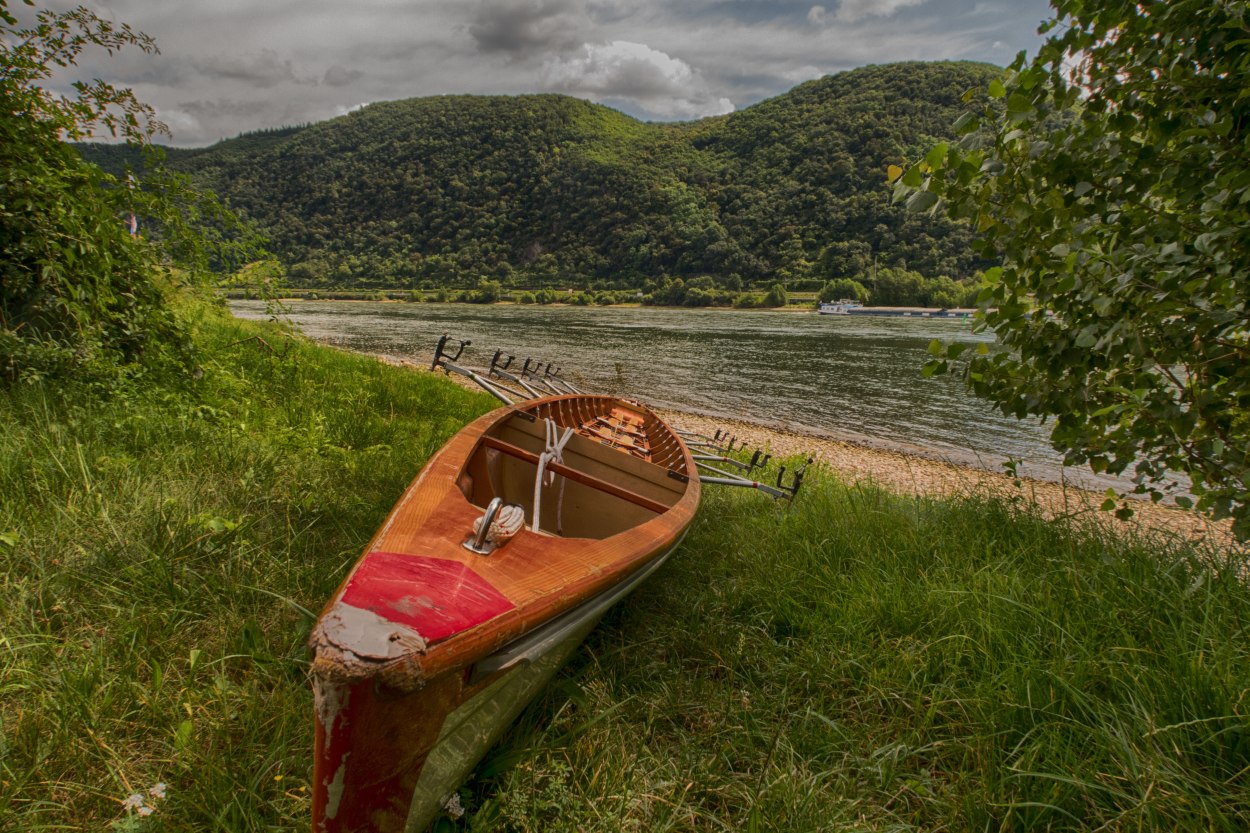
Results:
546 189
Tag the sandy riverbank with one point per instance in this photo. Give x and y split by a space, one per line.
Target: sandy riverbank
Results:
913 475
910 474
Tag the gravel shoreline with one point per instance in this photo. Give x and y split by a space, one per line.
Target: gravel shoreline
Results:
910 474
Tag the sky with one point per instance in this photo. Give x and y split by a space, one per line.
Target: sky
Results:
232 66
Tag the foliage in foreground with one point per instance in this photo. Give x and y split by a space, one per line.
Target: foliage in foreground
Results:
860 662
79 294
1112 176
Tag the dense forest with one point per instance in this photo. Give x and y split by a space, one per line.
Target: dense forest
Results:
547 191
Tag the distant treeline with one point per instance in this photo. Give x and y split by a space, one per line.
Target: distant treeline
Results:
553 192
892 287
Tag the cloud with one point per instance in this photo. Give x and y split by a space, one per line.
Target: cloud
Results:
611 11
214 111
262 69
853 10
303 60
340 76
180 122
524 28
636 74
209 119
344 110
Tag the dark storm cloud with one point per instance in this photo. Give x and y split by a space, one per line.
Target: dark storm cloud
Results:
604 12
524 28
223 109
262 70
747 11
338 76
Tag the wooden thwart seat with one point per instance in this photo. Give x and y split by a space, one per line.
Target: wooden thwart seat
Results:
577 476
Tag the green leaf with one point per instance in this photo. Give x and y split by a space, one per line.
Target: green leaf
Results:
997 90
1019 103
966 123
183 735
922 201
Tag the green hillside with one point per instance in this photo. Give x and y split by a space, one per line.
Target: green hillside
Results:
550 190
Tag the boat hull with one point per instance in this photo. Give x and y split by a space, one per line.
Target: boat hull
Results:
893 312
428 651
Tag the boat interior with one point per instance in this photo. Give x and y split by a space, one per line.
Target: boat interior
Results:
621 467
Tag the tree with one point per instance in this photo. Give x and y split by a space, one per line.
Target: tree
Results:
843 289
79 293
487 292
896 287
1111 174
844 259
777 296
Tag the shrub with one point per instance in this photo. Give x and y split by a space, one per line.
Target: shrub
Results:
777 296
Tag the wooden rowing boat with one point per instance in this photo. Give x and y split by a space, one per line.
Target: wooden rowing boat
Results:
440 634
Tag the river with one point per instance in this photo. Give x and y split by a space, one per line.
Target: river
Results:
848 377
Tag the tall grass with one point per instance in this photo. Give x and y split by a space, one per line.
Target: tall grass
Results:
859 662
163 552
871 662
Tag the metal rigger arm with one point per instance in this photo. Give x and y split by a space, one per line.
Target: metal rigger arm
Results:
535 380
446 361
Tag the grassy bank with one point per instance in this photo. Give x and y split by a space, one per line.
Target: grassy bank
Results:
162 552
869 662
863 661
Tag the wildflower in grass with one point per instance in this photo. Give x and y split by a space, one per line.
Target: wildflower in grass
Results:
453 806
143 806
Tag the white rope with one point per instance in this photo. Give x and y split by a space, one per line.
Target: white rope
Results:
554 452
508 522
